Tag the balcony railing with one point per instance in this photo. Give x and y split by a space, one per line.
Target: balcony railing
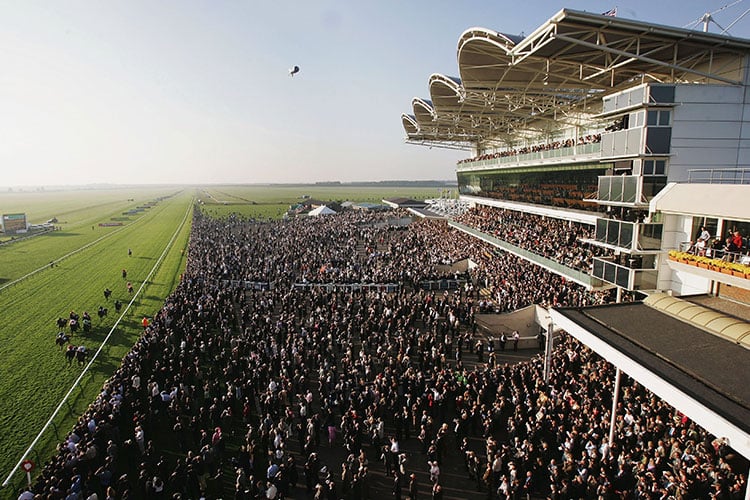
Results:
634 236
618 188
628 142
690 248
719 176
589 150
624 276
629 189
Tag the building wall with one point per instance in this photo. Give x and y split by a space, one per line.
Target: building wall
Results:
708 129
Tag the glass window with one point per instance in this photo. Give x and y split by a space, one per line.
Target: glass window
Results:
623 275
609 272
654 184
612 232
658 118
658 140
654 167
662 93
626 235
598 268
601 229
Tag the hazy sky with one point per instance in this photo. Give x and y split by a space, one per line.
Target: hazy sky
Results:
199 92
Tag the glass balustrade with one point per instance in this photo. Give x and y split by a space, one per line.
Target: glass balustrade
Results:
628 235
591 149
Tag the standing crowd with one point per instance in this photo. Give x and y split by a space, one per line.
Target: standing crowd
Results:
557 239
330 393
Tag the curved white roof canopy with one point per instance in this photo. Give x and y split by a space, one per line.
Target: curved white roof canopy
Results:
510 86
410 124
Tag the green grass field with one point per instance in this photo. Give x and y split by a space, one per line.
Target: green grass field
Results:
34 376
263 202
76 209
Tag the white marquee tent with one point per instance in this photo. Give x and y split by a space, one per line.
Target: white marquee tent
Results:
321 210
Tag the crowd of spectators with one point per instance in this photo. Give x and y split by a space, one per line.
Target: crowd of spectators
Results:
448 207
555 239
536 148
237 393
563 195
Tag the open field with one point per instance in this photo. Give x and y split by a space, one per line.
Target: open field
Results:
273 201
34 375
76 208
79 212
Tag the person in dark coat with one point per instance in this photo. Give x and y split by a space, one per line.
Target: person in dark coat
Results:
413 487
396 485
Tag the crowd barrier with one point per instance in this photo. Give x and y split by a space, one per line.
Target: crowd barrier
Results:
352 287
249 285
441 284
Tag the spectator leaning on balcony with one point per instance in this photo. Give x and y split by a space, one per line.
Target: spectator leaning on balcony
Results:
716 248
733 245
730 248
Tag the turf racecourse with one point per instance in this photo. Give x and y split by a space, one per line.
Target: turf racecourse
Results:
271 202
34 375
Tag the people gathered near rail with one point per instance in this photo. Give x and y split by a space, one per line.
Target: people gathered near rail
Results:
315 387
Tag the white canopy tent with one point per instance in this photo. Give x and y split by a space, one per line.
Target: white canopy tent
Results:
321 210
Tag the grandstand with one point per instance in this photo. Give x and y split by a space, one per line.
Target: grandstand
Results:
638 131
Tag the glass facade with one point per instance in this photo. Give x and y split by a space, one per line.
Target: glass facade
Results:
560 186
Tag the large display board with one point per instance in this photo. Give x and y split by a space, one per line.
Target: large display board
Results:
14 223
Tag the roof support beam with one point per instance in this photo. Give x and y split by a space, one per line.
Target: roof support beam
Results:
539 41
650 60
439 144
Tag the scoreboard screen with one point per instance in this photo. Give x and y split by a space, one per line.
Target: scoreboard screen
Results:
14 223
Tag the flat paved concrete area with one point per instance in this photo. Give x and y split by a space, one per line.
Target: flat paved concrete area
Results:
730 307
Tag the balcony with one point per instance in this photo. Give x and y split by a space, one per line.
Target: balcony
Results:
627 236
736 273
631 98
579 153
624 276
622 143
628 190
652 94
